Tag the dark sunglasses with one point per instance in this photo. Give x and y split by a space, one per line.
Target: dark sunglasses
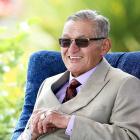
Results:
80 42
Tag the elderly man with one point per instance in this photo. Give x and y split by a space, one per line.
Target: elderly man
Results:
91 100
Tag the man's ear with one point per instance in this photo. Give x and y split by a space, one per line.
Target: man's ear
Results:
106 45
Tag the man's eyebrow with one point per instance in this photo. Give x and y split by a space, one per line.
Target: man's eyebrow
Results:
80 36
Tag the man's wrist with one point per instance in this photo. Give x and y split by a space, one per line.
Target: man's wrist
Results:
67 121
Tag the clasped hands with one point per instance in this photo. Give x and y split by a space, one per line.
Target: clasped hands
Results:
47 121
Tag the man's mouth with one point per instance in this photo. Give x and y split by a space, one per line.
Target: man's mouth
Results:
75 58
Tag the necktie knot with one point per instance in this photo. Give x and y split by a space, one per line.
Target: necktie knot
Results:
74 84
71 90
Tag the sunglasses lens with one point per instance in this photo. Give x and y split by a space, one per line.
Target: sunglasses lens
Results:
81 43
64 42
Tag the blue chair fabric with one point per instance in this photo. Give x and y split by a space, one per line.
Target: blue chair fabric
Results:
43 64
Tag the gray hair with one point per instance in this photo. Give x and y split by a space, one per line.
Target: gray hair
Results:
103 25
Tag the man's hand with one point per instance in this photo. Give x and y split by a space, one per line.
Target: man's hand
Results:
47 121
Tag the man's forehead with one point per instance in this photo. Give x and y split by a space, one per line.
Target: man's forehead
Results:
78 29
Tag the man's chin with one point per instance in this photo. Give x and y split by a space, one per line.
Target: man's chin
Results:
75 73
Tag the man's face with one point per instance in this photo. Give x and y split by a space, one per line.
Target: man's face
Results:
80 60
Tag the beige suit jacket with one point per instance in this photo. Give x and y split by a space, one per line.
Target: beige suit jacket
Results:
106 108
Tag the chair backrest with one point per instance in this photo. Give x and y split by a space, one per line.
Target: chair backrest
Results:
44 64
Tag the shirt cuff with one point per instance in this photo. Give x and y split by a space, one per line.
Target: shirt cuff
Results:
70 126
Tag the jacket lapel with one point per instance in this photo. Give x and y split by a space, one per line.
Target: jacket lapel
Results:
90 90
48 90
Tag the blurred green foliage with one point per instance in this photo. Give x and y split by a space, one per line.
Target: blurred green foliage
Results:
38 27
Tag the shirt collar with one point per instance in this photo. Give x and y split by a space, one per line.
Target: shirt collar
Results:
83 77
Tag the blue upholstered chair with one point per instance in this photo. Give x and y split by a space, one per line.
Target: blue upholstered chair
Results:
44 64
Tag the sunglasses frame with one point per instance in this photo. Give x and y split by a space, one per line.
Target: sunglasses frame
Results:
78 39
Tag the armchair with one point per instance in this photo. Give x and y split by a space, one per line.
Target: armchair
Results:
44 64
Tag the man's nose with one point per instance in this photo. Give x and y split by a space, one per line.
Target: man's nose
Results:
73 47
